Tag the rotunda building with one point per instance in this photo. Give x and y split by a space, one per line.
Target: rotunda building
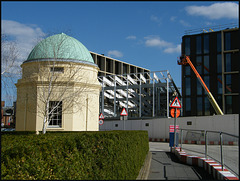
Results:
59 89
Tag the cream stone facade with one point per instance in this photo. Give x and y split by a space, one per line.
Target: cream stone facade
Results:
69 80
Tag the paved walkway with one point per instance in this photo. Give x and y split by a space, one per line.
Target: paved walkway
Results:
166 166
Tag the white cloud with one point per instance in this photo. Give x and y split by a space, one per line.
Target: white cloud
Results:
168 47
176 49
156 19
173 18
23 38
209 23
215 11
115 53
132 37
184 23
155 41
26 36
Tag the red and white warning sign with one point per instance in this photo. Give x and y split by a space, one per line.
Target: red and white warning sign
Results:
124 112
101 116
176 103
171 128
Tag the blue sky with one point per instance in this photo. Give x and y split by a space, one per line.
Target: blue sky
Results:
146 34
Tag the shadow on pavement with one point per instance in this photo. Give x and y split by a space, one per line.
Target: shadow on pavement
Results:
200 172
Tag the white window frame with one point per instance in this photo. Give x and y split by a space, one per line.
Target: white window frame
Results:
56 116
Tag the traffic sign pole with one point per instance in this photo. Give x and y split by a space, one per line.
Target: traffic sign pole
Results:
175 104
175 122
101 117
123 114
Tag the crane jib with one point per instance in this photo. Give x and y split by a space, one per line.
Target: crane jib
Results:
186 60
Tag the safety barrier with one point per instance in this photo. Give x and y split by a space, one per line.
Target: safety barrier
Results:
209 165
205 134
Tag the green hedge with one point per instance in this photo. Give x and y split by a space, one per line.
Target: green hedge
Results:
101 155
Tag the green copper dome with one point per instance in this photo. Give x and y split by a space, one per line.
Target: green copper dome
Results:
60 47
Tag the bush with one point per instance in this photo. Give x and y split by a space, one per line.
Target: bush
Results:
17 132
102 155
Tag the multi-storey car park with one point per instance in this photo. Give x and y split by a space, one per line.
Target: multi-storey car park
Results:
142 93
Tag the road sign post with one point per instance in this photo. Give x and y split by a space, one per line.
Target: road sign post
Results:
171 135
124 114
101 117
175 121
175 104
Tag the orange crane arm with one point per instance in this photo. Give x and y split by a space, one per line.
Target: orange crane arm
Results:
186 60
197 74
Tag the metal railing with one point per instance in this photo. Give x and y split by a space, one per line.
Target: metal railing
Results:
205 133
212 28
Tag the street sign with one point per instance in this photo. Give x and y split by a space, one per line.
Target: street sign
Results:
124 112
101 122
173 112
176 103
101 116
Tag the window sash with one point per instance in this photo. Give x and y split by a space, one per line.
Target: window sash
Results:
56 116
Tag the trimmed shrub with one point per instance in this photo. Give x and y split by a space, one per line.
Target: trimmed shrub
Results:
96 155
17 132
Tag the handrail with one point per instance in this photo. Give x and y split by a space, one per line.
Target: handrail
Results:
230 135
206 140
211 131
211 28
193 129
